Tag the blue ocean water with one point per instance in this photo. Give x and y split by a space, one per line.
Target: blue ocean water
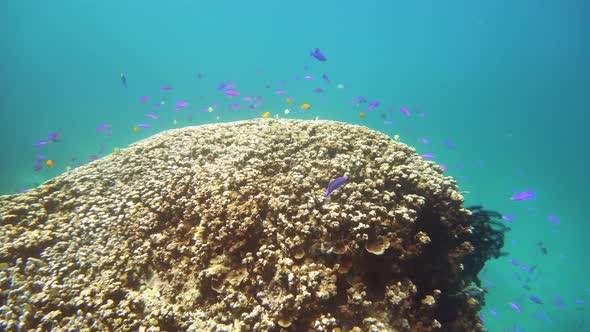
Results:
497 92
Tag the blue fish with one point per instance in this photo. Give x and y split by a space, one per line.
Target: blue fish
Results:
318 55
334 184
124 80
521 196
535 299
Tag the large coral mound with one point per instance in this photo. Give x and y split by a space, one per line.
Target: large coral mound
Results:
225 227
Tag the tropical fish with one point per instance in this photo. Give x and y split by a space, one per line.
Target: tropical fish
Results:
231 93
373 105
143 125
405 111
535 299
49 163
53 136
288 100
152 116
524 195
135 128
124 80
40 143
280 91
515 306
265 114
427 156
554 219
143 99
334 184
180 104
362 114
326 78
305 106
166 87
102 127
318 55
318 90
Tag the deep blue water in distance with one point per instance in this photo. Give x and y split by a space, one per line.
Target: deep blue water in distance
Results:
506 81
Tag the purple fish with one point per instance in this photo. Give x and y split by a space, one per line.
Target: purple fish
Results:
143 125
221 86
40 156
524 195
553 219
387 122
334 184
102 127
38 168
308 77
247 98
181 104
152 116
424 140
143 99
326 78
404 111
427 156
53 136
508 217
318 55
318 90
493 312
373 105
280 91
231 93
515 306
535 299
166 87
40 143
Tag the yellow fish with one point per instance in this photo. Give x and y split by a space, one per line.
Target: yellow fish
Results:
288 100
305 106
135 128
265 114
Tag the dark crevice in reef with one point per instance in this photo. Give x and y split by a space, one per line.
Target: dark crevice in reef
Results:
431 270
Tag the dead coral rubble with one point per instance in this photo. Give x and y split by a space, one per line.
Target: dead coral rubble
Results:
224 228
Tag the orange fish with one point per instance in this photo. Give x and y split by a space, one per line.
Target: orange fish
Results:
135 128
49 163
288 100
265 114
305 106
362 114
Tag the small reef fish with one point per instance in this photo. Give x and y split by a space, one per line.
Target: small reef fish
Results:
535 299
180 105
515 306
334 184
305 106
288 100
427 156
362 115
49 163
124 80
326 78
373 105
40 143
166 87
318 55
404 111
152 116
143 125
554 219
524 195
143 99
102 127
280 91
265 114
231 93
53 137
318 90
135 128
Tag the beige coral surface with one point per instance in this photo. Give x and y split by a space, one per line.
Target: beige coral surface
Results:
224 227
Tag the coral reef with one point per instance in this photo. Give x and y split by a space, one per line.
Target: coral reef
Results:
224 228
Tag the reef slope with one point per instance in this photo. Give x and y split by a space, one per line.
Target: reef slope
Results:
224 228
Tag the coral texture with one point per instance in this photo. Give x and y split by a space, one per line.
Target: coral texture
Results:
225 228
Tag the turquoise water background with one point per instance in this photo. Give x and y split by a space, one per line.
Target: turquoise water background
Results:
506 81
